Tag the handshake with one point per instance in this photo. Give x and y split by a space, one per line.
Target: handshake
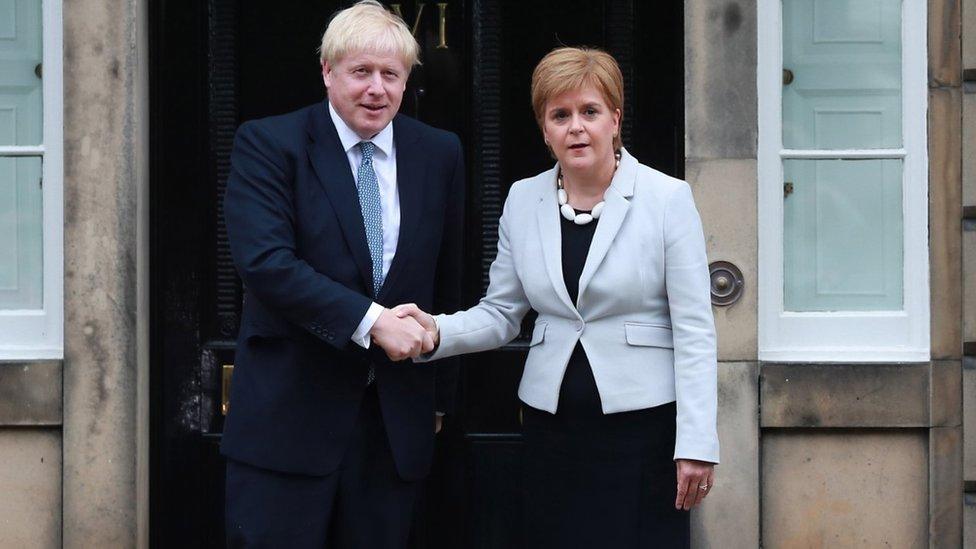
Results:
405 332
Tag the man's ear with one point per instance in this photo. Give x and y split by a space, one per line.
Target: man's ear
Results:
326 74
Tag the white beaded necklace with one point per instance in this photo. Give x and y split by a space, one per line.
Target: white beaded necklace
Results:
568 212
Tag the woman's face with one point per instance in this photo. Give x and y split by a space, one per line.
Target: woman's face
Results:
579 127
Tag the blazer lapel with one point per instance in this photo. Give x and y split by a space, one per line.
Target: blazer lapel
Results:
331 165
550 234
411 177
617 199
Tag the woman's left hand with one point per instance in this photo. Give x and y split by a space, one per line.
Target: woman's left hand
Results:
695 480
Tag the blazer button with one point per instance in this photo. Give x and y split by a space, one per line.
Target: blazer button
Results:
579 325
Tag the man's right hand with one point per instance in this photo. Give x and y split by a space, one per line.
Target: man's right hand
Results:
410 310
401 338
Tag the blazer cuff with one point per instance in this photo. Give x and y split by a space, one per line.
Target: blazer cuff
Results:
698 448
437 353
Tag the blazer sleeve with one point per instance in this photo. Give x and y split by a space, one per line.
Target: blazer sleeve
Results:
260 218
497 318
695 361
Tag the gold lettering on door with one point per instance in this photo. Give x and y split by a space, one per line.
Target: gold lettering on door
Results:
416 20
442 12
441 20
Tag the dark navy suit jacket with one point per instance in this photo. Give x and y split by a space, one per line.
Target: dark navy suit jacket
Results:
297 238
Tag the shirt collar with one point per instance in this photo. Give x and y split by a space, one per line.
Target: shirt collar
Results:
349 139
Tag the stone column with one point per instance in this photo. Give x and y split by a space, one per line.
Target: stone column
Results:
105 184
945 266
969 266
721 125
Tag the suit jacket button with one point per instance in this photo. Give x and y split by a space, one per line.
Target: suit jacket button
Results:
579 325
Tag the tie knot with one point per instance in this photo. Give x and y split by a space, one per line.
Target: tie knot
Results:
367 147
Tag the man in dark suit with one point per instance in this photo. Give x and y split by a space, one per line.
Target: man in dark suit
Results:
335 212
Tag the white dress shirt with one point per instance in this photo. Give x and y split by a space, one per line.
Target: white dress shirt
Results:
384 164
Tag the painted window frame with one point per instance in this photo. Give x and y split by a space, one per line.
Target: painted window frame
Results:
31 334
846 336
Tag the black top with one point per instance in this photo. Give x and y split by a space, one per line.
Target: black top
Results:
575 246
578 395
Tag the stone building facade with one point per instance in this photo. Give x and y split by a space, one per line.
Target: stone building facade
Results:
816 452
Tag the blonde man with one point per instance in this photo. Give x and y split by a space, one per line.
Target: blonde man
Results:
335 212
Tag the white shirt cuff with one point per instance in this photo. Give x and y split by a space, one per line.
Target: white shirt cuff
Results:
361 335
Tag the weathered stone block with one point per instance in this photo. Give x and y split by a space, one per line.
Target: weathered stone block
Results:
30 481
969 283
730 515
30 393
945 46
945 393
969 143
945 487
969 34
945 222
862 488
844 395
969 521
721 103
969 420
725 193
105 173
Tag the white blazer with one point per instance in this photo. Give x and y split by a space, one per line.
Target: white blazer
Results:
643 315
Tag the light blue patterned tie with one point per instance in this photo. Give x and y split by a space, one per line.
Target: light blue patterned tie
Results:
369 201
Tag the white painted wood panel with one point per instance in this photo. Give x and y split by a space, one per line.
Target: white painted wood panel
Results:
850 256
32 219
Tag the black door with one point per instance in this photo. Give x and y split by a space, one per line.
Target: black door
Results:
215 64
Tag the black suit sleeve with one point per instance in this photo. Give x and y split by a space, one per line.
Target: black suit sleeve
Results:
447 292
260 217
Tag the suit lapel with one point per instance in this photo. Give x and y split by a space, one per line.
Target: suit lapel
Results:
411 177
617 199
331 165
550 235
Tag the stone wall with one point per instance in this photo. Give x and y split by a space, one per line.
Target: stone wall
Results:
833 454
30 451
721 125
969 266
105 371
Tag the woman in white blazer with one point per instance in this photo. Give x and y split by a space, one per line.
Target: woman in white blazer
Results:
620 380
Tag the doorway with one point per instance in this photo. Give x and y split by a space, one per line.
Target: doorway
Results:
218 63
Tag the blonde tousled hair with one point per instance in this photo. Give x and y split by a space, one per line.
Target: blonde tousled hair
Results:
566 69
368 27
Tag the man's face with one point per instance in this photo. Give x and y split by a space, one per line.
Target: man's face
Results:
366 90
